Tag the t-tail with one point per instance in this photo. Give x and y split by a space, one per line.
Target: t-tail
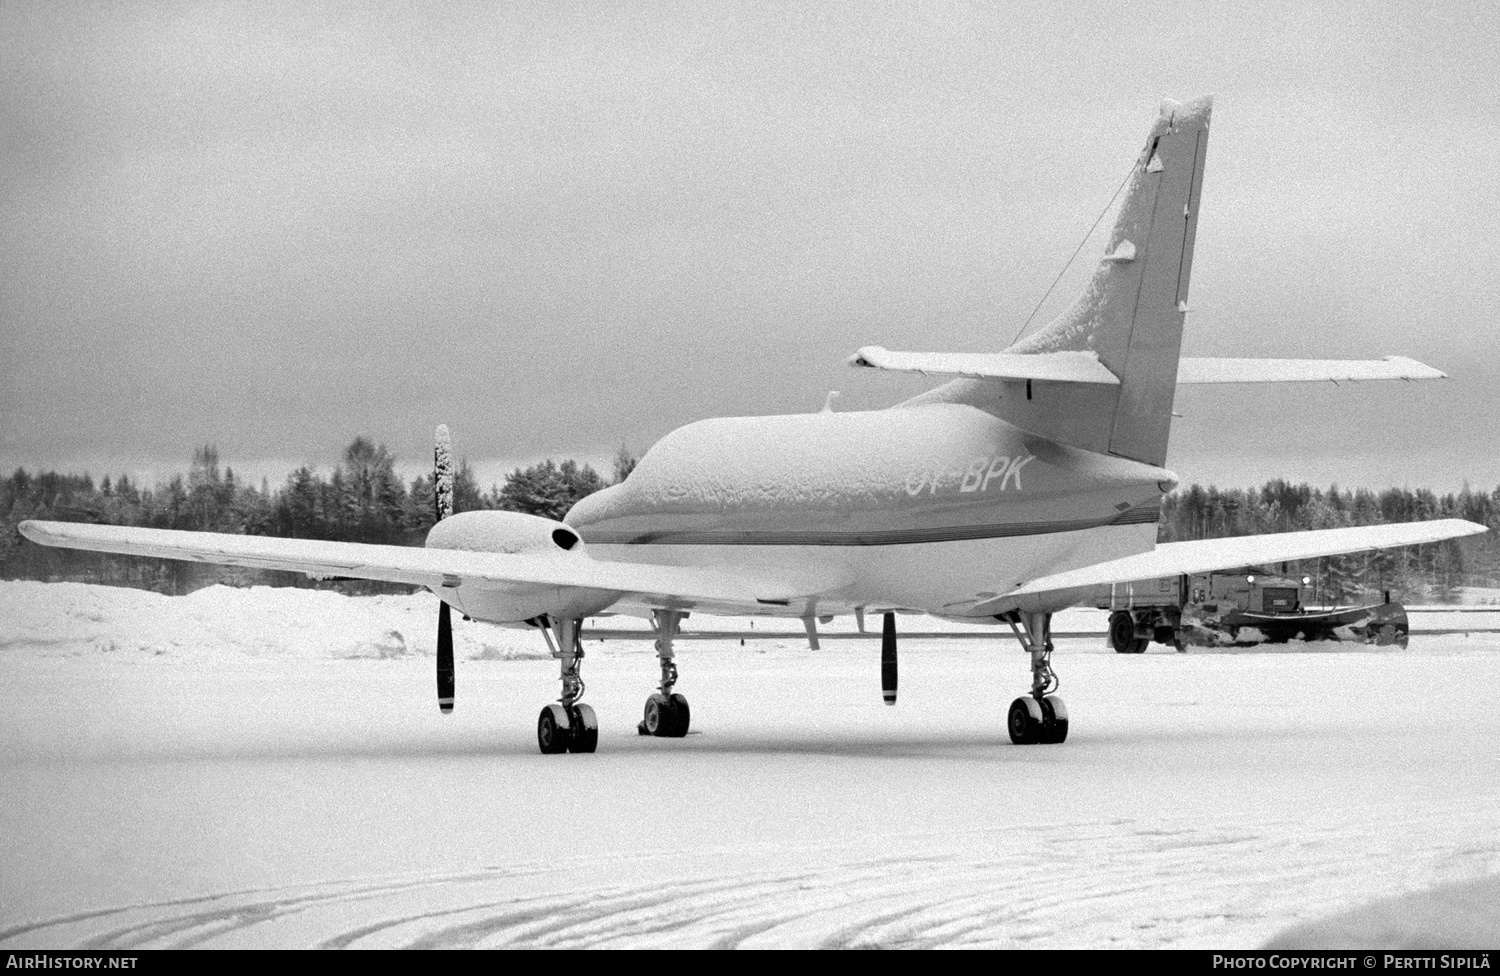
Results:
1131 315
1103 375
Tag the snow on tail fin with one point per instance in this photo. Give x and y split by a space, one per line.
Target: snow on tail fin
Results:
1132 312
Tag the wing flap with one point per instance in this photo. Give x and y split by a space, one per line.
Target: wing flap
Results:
1207 555
1208 370
1057 367
417 566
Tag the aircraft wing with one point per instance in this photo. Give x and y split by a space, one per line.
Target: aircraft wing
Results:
1207 555
523 573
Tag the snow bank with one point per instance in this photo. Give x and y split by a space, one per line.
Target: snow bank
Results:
222 623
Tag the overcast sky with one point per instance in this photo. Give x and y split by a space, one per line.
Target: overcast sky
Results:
559 228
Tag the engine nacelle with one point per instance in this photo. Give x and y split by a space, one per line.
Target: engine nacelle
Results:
514 533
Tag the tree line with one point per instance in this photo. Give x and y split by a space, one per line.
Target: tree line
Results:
364 500
1414 574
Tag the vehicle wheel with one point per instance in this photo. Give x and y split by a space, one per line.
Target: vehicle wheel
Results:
552 730
681 717
1054 720
1025 721
1122 634
658 718
585 737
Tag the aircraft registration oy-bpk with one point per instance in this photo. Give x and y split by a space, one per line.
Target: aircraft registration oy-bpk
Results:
1005 494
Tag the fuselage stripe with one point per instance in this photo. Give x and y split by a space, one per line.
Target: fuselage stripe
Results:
885 537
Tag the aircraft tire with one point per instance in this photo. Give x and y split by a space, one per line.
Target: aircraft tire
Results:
1054 721
682 716
585 737
658 717
552 728
1025 721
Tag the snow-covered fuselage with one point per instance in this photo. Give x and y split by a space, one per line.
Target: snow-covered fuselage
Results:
932 507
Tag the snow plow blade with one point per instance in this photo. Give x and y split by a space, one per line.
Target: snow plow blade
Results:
1380 624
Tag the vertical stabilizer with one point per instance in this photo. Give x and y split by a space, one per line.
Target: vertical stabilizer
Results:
1132 312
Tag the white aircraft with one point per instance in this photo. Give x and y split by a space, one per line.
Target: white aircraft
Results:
999 496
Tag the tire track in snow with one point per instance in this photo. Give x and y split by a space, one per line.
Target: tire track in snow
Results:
1120 884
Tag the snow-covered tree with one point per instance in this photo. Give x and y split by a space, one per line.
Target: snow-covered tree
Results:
547 489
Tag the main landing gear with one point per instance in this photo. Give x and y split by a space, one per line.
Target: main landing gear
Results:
667 714
1040 717
566 725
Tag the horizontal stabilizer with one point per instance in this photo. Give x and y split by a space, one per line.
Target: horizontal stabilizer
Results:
1303 370
1207 555
1057 367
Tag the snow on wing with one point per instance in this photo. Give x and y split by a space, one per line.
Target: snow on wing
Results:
1207 555
1061 367
516 573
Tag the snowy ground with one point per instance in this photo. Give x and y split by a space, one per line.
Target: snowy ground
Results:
269 768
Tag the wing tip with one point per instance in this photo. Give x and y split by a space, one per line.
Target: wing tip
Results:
1421 370
34 530
1468 528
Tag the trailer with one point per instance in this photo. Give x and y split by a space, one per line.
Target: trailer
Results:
1240 608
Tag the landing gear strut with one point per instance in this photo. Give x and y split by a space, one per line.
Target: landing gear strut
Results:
566 725
667 714
1040 717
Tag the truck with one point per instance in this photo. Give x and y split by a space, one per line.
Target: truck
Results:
1240 608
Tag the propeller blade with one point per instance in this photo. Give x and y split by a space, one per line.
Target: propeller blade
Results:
442 500
443 507
445 659
888 658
